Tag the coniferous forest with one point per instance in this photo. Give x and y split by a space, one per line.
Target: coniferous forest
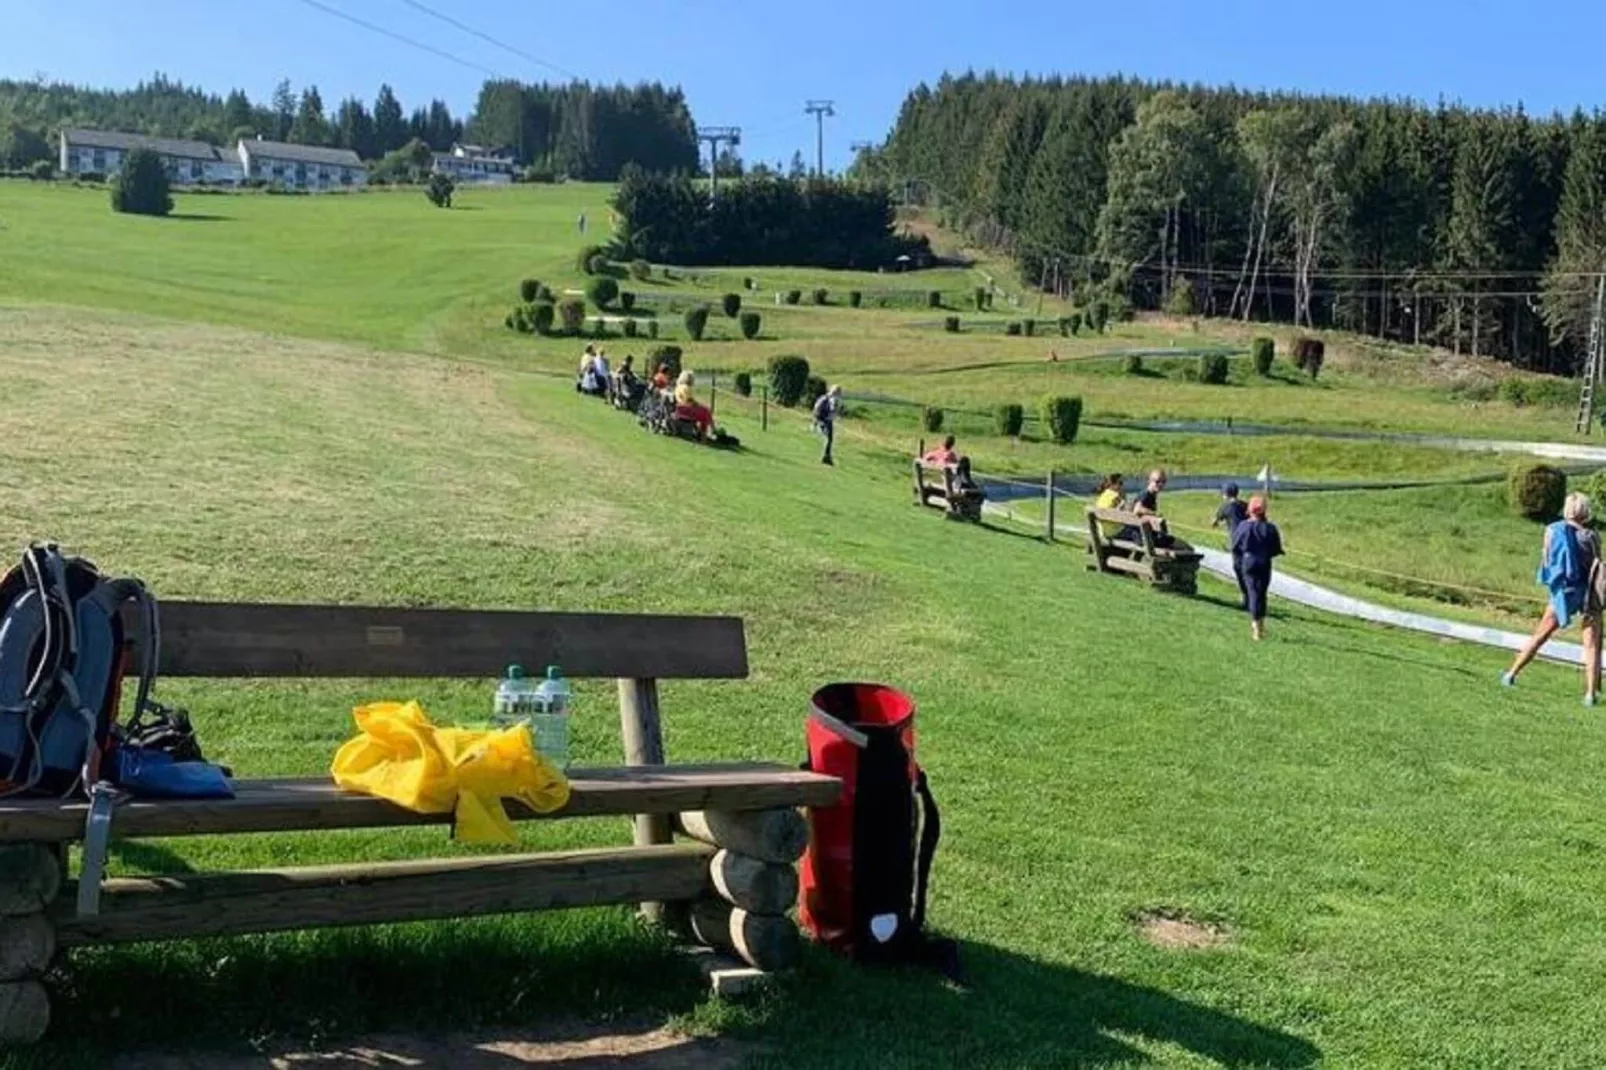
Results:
1476 230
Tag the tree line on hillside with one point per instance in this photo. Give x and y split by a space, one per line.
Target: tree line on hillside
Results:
576 130
1475 230
670 218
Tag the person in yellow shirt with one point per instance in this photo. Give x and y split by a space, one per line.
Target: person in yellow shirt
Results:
1111 495
687 407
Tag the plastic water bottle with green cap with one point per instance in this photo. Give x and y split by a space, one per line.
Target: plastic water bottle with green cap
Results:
550 722
516 698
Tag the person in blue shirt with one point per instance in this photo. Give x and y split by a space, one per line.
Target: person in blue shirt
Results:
1231 513
1567 572
1254 543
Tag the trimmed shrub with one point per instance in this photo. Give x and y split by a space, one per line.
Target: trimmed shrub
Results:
1309 354
1010 419
599 327
630 328
1594 485
981 298
794 296
951 324
1213 369
546 294
788 378
751 322
855 298
141 186
934 299
667 357
573 313
731 304
696 322
598 265
529 290
1028 327
1062 416
1262 351
1181 302
640 270
584 258
439 190
518 320
744 384
652 328
603 291
813 390
1132 365
820 296
1012 327
627 300
1099 315
542 315
931 419
1075 319
1537 491
748 283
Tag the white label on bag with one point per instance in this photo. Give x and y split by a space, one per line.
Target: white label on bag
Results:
882 926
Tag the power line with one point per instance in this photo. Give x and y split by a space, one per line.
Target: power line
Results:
394 36
504 46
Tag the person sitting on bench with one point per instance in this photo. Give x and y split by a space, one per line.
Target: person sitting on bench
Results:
660 378
688 408
627 388
1111 495
588 366
1147 508
942 456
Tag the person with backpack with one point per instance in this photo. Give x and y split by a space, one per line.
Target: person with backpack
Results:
1570 570
1231 513
1254 543
825 414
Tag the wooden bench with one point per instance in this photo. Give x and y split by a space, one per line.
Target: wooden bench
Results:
1174 567
956 504
731 881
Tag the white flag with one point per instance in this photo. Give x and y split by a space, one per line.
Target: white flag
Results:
1265 475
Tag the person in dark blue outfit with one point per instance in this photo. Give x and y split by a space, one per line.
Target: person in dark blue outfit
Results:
1255 542
1231 513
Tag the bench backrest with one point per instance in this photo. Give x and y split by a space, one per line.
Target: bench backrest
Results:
213 639
1115 516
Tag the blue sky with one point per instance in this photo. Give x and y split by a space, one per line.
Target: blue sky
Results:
753 64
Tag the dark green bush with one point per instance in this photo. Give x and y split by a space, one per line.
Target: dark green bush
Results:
1012 327
794 296
573 313
603 291
666 357
630 328
1262 351
821 295
931 418
1132 365
934 299
731 304
141 186
1213 369
529 290
696 322
855 298
813 390
1181 301
598 265
599 327
751 322
1076 322
640 270
542 315
744 384
748 283
1028 327
439 190
652 328
627 300
1010 419
1099 315
588 253
518 319
981 298
1309 354
951 324
1537 491
1062 417
788 378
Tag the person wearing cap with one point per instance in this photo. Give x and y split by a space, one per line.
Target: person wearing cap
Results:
1232 512
1255 542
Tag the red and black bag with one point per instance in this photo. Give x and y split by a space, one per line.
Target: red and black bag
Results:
863 889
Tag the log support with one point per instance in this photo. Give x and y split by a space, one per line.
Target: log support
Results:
31 877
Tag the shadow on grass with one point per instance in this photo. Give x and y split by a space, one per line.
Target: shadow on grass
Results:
199 217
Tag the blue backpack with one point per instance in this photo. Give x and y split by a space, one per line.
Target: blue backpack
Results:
64 642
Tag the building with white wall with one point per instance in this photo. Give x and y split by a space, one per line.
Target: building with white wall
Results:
304 167
101 152
474 163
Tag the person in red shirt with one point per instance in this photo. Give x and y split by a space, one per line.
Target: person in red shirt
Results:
943 456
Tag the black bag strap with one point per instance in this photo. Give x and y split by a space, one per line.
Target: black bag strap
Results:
930 833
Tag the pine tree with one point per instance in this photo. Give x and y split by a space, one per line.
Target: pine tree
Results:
1580 234
390 127
310 127
284 110
237 112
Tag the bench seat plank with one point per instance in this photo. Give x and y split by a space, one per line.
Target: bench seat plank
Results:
290 805
258 901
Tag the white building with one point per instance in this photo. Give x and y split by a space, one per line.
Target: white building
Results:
474 163
101 152
308 167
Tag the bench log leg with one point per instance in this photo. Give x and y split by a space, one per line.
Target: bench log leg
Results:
753 887
31 876
644 745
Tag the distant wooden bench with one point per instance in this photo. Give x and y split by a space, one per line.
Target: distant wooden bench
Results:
1173 567
731 882
942 492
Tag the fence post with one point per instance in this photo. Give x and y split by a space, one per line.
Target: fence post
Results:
713 392
764 410
1048 490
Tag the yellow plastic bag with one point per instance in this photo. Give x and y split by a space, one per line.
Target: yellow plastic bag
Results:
399 755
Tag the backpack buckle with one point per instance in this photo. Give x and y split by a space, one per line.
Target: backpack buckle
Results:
103 800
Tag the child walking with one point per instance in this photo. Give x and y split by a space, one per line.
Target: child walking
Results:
1255 542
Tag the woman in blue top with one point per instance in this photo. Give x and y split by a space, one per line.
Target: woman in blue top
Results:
1255 542
1566 572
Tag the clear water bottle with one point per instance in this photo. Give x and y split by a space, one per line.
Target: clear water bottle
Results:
516 698
550 722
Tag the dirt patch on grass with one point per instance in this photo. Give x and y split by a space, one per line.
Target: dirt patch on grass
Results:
1174 930
593 1047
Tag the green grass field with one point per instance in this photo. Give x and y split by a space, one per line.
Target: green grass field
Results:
1403 854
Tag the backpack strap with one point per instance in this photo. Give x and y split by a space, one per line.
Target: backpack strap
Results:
930 832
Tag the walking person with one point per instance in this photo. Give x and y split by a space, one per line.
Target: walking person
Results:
1231 513
825 414
1255 542
1569 572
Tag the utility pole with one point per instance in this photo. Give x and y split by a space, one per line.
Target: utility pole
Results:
859 147
819 109
714 135
1592 360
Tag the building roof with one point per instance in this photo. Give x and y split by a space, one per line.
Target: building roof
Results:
167 146
281 150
